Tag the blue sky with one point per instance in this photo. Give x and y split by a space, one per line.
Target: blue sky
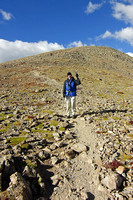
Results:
30 27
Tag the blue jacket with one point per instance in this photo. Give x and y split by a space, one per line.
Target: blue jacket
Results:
69 88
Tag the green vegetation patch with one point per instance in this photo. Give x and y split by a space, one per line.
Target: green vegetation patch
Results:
30 163
5 128
62 129
17 123
48 111
49 135
38 131
23 133
125 157
54 123
116 118
3 116
130 135
105 118
16 140
40 126
25 146
30 117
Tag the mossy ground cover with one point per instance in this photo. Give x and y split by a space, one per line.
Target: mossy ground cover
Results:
3 116
16 140
30 163
125 157
54 123
5 128
50 112
46 134
25 146
130 136
62 129
23 133
49 135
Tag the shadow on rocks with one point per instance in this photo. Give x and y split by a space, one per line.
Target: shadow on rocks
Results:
103 112
90 196
45 176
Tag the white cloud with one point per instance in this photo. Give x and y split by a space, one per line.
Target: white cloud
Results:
107 34
6 16
76 44
125 34
130 54
92 45
123 12
92 7
10 50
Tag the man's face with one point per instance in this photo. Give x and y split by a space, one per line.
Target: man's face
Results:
69 77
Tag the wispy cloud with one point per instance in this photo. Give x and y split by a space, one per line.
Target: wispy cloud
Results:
6 16
130 54
76 44
107 34
123 12
10 50
125 34
92 7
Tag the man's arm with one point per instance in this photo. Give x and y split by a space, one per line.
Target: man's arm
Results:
64 89
77 82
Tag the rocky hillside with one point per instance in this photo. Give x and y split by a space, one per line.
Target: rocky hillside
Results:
43 155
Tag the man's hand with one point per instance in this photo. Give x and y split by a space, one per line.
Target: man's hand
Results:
77 75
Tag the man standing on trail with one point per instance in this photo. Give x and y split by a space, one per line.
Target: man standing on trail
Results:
69 93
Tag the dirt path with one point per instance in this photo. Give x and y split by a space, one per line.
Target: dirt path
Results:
82 177
87 165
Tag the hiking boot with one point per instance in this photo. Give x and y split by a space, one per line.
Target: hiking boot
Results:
74 116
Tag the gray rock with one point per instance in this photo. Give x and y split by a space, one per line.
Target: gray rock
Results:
43 155
120 169
78 147
112 181
70 154
55 179
54 160
28 171
19 187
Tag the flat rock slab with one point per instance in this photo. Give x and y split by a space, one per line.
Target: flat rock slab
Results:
78 147
120 169
113 181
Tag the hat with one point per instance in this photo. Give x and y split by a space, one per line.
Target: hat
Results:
69 73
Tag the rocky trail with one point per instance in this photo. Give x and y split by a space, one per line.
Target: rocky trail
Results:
83 174
44 155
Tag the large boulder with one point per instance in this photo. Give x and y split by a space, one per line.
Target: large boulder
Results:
113 181
19 187
78 147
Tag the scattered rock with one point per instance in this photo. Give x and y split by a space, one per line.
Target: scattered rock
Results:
120 169
19 187
54 160
78 147
113 181
30 98
70 154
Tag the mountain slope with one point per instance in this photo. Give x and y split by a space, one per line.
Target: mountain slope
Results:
52 157
97 67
